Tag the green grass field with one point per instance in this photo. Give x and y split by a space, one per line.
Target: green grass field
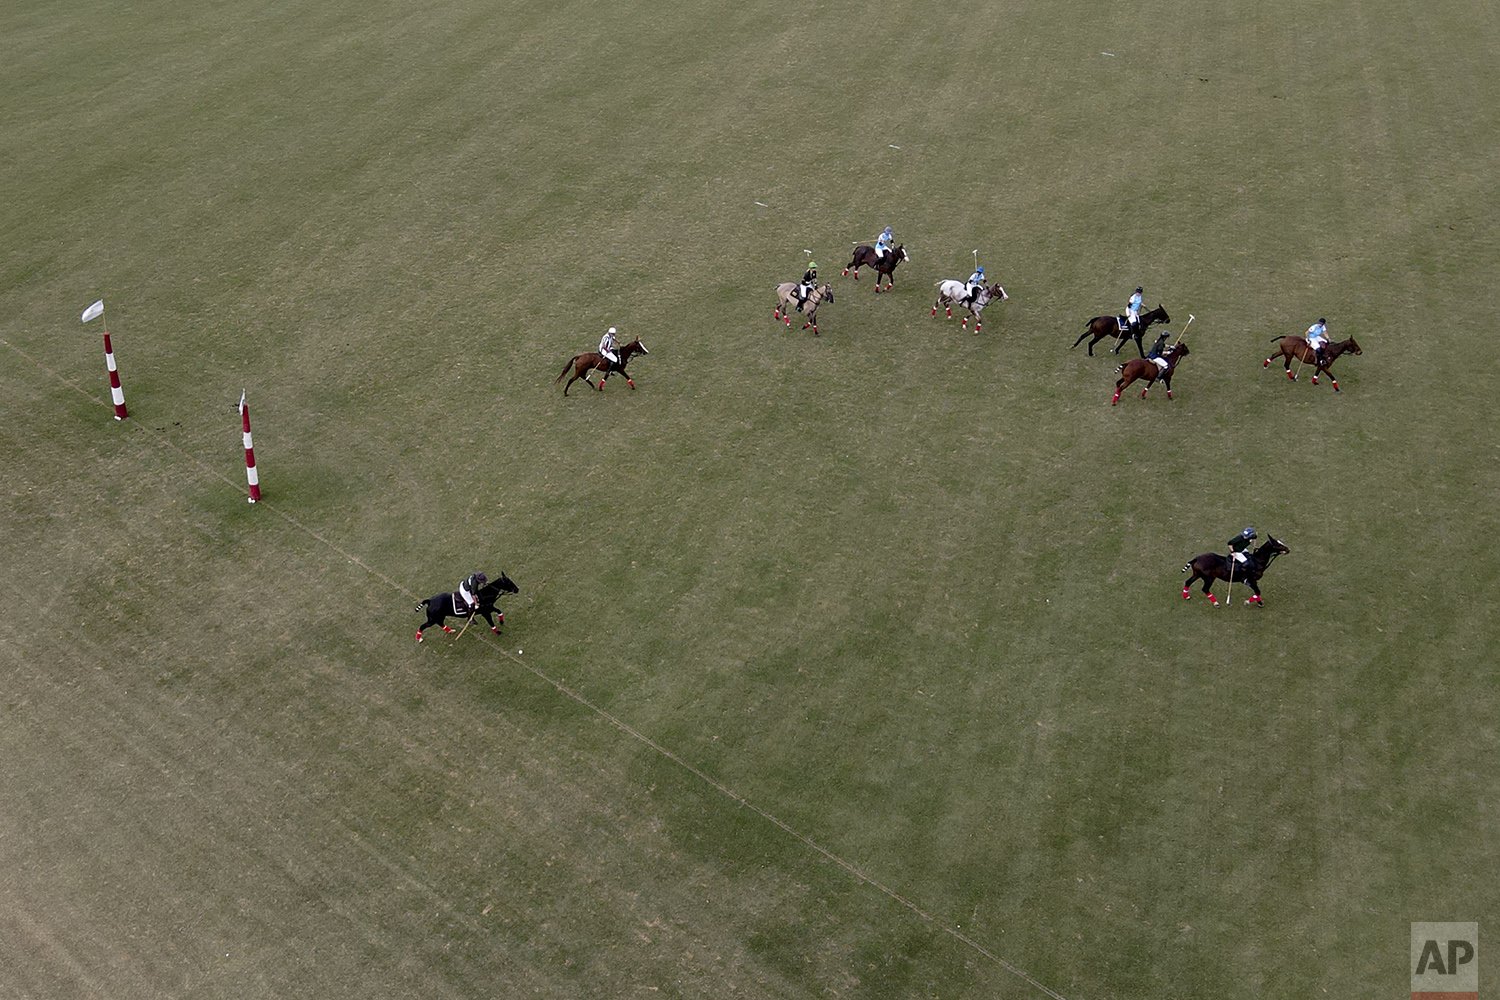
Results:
854 666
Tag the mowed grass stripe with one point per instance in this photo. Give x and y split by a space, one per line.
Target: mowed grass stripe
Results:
912 591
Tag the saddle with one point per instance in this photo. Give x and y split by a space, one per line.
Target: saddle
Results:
460 606
1124 323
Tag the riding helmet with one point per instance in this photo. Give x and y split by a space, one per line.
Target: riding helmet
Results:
1248 532
1322 321
1140 290
611 330
979 270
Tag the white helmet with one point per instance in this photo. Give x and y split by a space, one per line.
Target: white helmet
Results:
611 329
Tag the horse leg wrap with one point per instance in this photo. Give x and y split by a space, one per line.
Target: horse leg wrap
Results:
447 629
1186 596
419 635
1115 401
1267 364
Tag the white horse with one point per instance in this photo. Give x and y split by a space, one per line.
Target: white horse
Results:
952 293
786 302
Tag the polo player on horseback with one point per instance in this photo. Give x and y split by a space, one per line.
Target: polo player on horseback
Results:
1133 311
808 283
976 285
1159 348
608 348
1239 543
1317 338
468 591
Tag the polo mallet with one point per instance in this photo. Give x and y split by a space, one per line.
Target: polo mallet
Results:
1229 596
1189 323
1299 360
473 614
1301 357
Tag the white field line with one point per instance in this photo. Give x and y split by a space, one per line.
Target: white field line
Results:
854 870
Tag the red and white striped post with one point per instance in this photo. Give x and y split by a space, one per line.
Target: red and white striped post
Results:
116 393
250 473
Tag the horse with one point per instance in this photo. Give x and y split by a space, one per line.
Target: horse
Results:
1211 566
952 293
1116 326
885 266
590 361
1298 347
441 606
1138 368
786 303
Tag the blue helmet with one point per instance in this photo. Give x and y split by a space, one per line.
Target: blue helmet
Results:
1248 533
979 270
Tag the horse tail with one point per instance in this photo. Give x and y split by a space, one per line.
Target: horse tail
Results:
1187 567
566 366
421 605
1276 338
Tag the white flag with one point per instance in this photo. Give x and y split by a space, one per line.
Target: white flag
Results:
94 311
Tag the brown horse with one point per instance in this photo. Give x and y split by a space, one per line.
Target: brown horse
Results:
885 267
1297 347
1110 326
1138 368
593 361
1211 566
786 303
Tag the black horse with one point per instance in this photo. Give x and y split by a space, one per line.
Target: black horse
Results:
885 266
441 606
1211 566
1111 326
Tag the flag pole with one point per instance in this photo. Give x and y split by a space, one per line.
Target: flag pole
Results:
250 473
116 393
